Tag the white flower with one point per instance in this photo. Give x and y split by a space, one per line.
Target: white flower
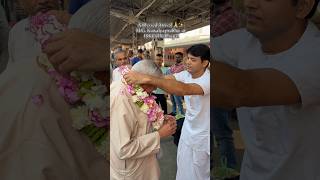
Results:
144 108
142 94
93 101
135 98
79 117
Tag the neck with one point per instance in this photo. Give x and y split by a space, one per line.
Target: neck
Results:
198 74
282 41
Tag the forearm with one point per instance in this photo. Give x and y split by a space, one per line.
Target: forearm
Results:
228 90
233 87
172 86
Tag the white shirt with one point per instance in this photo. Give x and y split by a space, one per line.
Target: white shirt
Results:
116 74
196 126
280 141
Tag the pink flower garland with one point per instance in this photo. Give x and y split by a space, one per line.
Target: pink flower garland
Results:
150 107
44 26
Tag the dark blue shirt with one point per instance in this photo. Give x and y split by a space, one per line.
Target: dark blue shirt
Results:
74 5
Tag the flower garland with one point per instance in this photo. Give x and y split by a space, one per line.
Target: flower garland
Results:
145 102
86 95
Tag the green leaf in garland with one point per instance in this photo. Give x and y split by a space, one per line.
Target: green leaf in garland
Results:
87 84
139 103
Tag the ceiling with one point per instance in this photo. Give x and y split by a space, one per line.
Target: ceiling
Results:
126 14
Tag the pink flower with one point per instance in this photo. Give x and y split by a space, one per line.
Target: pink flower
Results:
68 88
37 99
98 120
130 89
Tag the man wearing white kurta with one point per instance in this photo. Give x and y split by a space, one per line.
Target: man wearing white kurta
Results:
193 157
270 73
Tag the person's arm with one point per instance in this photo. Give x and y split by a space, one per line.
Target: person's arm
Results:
233 87
167 83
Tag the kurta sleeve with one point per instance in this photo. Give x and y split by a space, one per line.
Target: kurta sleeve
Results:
126 142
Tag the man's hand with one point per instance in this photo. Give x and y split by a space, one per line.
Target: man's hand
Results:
169 127
133 77
62 16
77 50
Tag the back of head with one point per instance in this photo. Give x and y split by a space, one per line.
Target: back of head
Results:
147 67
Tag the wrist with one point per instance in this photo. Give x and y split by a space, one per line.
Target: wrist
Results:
148 80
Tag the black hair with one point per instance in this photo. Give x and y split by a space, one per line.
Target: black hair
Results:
200 50
140 51
313 10
179 53
159 55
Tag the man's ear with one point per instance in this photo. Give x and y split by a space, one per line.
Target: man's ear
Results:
205 63
304 7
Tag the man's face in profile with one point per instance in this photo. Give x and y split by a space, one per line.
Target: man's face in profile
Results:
268 17
32 7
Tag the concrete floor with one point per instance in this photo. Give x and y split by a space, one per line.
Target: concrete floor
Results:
168 165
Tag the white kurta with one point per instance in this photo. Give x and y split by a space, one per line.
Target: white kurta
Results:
193 156
132 149
280 141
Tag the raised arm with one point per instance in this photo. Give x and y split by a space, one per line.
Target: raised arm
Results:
167 83
233 87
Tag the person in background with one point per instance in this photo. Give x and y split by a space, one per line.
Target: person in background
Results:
177 100
74 5
159 93
121 60
138 58
4 35
224 19
130 55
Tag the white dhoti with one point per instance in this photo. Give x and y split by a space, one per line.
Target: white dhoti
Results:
192 164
